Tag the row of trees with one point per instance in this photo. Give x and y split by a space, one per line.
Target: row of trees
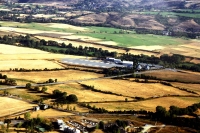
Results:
36 88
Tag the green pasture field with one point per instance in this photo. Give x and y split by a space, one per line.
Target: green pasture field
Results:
129 40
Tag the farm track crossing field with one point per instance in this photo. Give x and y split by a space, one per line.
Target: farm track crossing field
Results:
133 89
149 105
10 106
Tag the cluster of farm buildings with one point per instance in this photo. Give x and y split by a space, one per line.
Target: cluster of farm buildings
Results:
110 63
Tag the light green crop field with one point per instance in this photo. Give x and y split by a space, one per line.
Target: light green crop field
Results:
129 40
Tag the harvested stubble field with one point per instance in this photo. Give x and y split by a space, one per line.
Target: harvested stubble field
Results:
86 95
149 105
180 76
62 75
133 89
10 106
191 87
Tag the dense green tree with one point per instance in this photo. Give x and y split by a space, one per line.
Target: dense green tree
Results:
28 85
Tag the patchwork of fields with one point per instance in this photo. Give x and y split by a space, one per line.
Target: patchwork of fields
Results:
149 104
122 90
104 37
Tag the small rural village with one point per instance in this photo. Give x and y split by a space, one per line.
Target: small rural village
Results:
89 66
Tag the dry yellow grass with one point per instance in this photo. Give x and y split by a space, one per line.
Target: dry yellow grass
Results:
149 105
10 49
192 87
43 76
133 89
85 95
49 113
22 57
28 64
10 106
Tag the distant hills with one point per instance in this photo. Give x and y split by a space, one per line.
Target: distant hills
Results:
128 3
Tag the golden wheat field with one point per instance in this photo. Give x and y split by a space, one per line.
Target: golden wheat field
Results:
149 105
133 89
